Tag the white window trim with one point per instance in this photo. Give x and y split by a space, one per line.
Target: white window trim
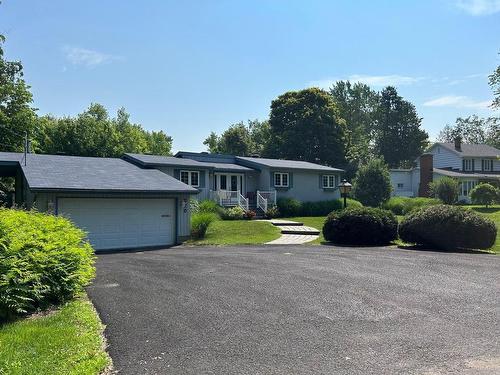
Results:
328 185
489 163
190 177
468 164
281 174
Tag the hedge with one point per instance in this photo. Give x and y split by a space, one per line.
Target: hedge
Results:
289 207
405 205
44 260
361 226
448 228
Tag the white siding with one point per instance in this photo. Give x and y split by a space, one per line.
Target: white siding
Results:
405 178
444 158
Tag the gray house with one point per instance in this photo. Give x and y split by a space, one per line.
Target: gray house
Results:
143 200
250 182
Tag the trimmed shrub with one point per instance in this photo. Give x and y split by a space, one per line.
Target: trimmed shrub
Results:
405 205
372 184
446 189
200 223
233 213
484 194
448 228
361 226
44 260
289 207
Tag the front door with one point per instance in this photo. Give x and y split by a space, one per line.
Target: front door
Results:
230 182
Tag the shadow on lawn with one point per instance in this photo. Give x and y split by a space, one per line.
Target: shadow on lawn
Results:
484 210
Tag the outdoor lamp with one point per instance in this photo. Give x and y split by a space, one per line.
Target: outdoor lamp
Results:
345 188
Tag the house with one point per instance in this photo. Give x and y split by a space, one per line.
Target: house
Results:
250 182
119 204
470 164
143 200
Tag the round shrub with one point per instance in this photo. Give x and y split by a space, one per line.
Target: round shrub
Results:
233 213
448 228
44 260
361 226
484 194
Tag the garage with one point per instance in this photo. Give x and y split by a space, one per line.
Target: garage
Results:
122 223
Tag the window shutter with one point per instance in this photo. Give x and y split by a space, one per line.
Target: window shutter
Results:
272 179
177 174
473 168
290 180
463 164
202 179
321 181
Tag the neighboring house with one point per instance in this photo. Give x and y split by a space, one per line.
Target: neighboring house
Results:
119 204
143 200
470 164
250 182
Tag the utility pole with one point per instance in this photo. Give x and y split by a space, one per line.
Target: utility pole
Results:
25 146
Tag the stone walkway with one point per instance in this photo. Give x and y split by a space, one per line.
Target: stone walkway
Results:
293 233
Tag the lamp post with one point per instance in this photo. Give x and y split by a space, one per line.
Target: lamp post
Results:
345 188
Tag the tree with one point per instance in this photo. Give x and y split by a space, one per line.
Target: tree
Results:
305 125
494 81
446 189
357 104
484 194
372 184
473 129
240 139
16 114
398 136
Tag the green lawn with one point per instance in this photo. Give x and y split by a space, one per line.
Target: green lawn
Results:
238 232
67 341
312 221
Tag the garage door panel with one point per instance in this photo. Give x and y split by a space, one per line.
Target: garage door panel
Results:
122 223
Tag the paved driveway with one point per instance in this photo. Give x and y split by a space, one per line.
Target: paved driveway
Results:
300 310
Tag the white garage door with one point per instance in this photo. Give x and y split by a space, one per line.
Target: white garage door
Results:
122 223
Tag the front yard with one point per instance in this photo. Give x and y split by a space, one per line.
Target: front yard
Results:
65 341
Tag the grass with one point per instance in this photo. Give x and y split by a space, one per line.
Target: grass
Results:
66 341
312 221
238 232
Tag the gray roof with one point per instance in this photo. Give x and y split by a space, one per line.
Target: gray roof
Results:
11 157
286 164
158 160
76 173
473 150
455 173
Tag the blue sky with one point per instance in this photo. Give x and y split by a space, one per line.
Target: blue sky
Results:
191 67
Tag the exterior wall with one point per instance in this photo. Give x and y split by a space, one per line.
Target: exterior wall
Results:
265 180
496 165
304 186
252 181
405 177
444 158
47 202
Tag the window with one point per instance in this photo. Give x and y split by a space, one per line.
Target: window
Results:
223 182
329 181
280 179
190 178
466 187
468 164
401 186
487 165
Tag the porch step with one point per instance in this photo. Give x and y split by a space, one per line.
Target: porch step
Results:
294 229
279 223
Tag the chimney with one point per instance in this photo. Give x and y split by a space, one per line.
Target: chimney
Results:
458 143
426 170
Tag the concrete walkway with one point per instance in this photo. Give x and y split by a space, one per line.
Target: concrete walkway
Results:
293 233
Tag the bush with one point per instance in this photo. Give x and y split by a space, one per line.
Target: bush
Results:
405 205
372 184
446 189
272 212
194 205
207 206
44 260
200 223
233 213
448 228
291 207
250 214
484 194
361 226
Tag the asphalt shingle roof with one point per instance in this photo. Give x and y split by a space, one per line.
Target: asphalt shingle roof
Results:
287 164
472 150
75 173
455 173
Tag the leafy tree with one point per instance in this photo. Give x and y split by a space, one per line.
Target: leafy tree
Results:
372 184
446 189
260 133
494 81
305 125
357 104
473 129
212 143
484 194
398 136
16 114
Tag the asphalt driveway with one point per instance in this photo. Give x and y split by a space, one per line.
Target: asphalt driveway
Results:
300 310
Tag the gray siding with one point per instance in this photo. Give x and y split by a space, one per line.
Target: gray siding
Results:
305 186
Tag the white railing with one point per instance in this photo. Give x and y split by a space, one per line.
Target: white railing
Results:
229 198
261 202
242 201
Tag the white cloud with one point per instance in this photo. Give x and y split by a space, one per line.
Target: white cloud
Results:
87 57
375 81
479 7
457 102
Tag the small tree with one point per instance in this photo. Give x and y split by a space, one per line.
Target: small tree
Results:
446 189
372 184
484 194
